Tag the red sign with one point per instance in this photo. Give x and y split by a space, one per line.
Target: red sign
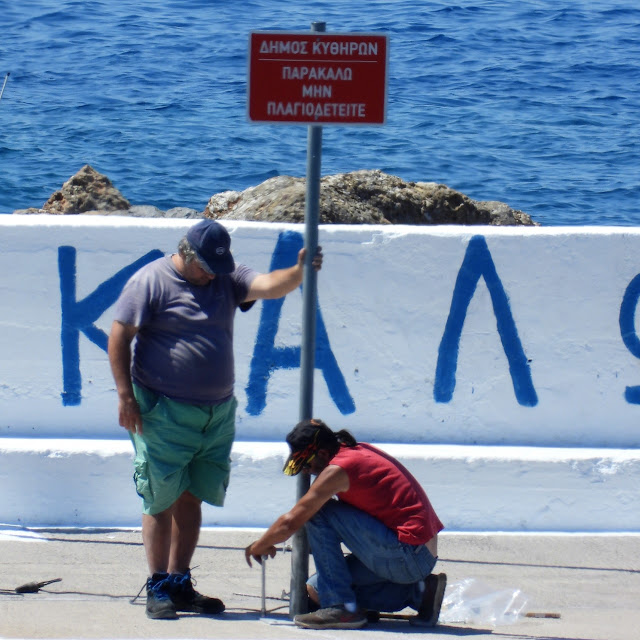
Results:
317 78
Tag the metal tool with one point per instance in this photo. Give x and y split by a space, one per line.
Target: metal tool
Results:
34 587
263 600
376 616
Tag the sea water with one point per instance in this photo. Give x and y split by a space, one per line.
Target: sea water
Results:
535 103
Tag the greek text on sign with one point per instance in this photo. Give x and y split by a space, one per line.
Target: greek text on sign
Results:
317 78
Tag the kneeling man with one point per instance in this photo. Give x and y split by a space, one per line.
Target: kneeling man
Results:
365 499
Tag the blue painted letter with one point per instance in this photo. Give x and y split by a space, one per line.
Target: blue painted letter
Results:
267 357
628 330
478 263
79 316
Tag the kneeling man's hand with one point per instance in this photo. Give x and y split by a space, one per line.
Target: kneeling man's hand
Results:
252 551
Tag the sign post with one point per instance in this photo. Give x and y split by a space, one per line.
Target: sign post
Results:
315 79
300 543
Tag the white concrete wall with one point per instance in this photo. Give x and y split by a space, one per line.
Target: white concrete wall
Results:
532 357
87 483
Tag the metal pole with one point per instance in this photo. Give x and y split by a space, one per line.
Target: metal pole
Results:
300 544
4 84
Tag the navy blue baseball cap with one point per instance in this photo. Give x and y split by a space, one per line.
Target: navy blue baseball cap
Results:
212 244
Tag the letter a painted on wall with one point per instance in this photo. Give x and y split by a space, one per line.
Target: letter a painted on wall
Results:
267 357
478 263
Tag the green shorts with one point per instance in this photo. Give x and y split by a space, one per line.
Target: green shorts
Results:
183 447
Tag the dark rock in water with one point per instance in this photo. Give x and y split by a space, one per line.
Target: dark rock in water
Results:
87 190
362 197
182 212
501 214
92 193
149 211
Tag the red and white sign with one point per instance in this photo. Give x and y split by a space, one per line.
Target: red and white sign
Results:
317 78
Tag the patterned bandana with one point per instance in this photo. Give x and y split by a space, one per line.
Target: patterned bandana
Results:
299 459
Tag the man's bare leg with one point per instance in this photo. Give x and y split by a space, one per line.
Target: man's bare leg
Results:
185 531
156 536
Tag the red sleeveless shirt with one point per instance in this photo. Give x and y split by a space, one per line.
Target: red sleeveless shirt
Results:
380 486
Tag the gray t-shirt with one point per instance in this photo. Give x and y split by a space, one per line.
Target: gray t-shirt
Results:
184 345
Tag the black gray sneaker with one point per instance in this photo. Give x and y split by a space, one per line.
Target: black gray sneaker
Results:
159 603
429 611
331 618
186 598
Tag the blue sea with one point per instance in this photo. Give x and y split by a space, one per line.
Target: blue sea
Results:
533 102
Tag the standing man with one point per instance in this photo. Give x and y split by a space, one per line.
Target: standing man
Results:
175 395
381 514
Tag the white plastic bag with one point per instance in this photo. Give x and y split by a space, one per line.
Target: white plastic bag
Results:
473 602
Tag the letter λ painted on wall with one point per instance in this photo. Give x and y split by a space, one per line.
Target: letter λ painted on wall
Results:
79 316
478 263
267 357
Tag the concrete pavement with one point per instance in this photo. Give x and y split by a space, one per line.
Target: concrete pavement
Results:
591 581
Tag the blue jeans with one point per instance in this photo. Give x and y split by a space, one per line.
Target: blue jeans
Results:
382 573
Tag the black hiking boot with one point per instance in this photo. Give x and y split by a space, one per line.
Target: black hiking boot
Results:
159 604
186 598
429 611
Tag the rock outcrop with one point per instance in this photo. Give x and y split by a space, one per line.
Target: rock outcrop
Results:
87 190
359 197
362 197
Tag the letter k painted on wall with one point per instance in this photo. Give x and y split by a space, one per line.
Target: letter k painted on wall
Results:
477 264
80 316
267 358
